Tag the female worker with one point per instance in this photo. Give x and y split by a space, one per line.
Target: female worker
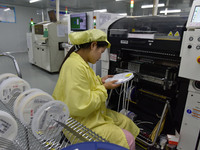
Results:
85 93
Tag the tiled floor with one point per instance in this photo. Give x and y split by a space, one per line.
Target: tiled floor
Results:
36 77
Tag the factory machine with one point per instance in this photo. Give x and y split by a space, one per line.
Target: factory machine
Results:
149 46
189 68
48 52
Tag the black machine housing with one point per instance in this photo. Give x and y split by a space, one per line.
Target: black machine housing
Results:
149 47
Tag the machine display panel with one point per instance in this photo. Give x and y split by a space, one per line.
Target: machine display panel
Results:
196 14
78 22
52 16
39 29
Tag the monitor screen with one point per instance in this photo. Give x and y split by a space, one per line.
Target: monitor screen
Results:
39 29
196 15
78 22
52 16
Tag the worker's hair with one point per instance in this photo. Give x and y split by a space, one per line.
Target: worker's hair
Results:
83 46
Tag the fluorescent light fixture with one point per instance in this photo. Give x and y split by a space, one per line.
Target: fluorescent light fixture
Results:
119 0
123 14
33 1
7 9
101 10
170 11
151 6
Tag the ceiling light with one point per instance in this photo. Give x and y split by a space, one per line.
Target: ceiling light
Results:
151 6
119 0
33 1
123 14
170 11
101 10
7 9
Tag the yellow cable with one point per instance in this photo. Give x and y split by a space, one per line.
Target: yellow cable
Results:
153 133
154 94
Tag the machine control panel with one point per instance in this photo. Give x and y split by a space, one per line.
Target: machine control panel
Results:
190 68
190 53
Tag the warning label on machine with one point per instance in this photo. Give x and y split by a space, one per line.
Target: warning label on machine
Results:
113 57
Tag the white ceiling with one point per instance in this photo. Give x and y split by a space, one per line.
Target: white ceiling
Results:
70 4
89 5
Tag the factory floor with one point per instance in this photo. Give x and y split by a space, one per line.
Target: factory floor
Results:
35 76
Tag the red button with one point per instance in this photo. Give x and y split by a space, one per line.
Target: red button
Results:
198 60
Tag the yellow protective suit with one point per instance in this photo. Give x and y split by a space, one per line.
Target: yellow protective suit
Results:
82 91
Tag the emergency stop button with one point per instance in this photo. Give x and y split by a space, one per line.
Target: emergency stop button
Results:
198 59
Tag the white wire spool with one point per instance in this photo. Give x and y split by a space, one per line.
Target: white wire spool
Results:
6 76
29 105
10 86
121 77
44 125
8 126
19 99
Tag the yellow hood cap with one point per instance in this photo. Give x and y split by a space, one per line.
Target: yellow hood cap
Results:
92 35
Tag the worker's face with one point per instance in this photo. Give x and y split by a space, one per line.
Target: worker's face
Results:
95 53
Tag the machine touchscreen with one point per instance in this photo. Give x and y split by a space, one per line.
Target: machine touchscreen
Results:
196 15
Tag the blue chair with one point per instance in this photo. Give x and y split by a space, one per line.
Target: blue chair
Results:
94 146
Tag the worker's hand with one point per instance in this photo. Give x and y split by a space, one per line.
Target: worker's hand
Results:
103 79
111 84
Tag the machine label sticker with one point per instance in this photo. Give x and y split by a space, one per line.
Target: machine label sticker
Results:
113 57
141 36
196 113
124 41
170 33
177 34
193 112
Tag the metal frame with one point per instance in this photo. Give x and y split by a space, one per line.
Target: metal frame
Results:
151 143
15 63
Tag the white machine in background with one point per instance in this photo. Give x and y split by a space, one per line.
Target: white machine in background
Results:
29 39
190 68
47 38
105 57
99 20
